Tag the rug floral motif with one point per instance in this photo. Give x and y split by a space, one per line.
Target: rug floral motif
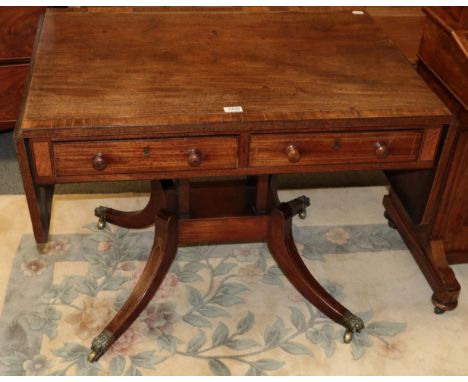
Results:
226 308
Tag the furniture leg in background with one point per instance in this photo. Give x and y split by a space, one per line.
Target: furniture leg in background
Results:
430 207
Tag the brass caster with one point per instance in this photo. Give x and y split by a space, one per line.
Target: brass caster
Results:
100 212
353 324
438 310
101 224
348 336
42 248
92 357
299 205
100 345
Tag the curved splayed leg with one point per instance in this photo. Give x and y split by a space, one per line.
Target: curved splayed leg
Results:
284 251
159 261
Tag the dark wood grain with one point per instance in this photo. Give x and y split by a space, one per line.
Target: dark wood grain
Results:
159 198
235 172
430 144
221 198
403 25
39 198
444 65
41 151
18 26
17 30
413 188
272 149
239 127
160 259
12 83
443 43
263 62
430 208
262 199
283 249
454 215
78 161
227 230
121 157
428 254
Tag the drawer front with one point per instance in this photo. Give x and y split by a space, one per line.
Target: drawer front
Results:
123 157
332 148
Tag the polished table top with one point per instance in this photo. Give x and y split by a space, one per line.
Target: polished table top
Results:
100 69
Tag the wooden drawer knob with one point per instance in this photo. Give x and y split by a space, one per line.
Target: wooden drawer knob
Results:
381 149
99 162
293 153
194 158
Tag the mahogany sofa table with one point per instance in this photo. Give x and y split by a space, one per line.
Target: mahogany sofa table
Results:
168 97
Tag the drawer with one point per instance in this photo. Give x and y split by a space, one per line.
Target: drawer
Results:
267 150
132 156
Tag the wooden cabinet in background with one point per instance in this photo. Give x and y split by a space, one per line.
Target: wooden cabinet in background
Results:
17 30
12 79
444 63
430 207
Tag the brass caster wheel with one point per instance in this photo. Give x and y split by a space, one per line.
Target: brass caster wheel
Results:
101 224
42 248
92 356
299 205
100 213
100 345
438 310
353 324
348 336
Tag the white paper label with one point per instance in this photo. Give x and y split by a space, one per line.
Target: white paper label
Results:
233 109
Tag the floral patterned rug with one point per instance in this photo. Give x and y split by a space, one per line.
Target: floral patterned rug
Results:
221 310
